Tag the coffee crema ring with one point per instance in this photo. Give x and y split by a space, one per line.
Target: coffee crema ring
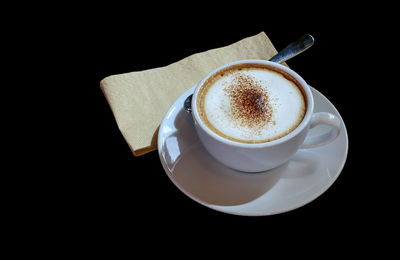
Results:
251 103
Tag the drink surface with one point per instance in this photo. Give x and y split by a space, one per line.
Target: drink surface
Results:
251 103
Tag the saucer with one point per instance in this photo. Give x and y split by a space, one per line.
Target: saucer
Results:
308 174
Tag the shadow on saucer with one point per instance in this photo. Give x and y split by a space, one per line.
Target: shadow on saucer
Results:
302 165
205 179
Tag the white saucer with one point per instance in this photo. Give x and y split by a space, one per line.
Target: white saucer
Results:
198 175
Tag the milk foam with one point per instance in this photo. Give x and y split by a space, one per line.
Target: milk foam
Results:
285 99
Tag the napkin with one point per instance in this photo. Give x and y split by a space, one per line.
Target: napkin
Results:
140 99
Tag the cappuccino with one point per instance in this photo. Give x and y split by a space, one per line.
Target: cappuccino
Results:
251 103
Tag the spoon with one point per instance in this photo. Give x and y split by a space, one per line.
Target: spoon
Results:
293 49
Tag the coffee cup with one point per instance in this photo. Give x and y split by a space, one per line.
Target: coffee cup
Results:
254 115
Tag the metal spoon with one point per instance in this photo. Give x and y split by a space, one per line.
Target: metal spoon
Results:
293 49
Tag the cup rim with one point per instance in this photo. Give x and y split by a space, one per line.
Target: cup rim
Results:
295 132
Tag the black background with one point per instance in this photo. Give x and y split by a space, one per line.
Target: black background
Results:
93 188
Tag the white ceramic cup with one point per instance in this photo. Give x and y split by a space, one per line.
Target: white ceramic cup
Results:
259 157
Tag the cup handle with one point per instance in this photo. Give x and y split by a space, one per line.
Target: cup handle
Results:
323 118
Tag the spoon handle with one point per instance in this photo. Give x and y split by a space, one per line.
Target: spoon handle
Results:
296 47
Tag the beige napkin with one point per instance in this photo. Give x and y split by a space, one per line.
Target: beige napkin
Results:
139 100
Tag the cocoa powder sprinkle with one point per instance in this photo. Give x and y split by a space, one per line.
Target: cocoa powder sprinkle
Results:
249 102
